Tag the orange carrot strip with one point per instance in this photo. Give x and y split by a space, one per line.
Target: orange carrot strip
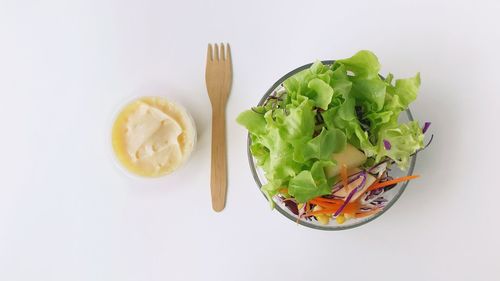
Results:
351 207
328 205
332 201
324 204
373 184
391 182
343 174
284 191
332 208
365 214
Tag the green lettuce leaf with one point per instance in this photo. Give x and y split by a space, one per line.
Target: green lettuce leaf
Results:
370 93
270 189
364 64
324 108
406 90
298 126
309 184
397 99
254 122
313 83
404 139
323 92
281 164
343 117
259 152
322 146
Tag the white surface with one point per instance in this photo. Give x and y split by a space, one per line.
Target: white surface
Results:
66 213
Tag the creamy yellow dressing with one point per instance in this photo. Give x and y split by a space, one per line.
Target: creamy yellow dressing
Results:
152 136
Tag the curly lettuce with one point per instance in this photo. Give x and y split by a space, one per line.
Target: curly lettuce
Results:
294 135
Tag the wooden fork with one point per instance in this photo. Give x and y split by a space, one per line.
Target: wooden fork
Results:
218 77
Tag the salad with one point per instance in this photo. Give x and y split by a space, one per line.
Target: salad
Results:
327 140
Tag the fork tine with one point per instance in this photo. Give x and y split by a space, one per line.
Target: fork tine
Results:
209 53
228 53
222 52
216 52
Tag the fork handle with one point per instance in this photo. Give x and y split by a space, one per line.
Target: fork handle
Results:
218 180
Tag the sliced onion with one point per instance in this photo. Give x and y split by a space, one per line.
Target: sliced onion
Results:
350 180
380 201
371 196
379 168
302 211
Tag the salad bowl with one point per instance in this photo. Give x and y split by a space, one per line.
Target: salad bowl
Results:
387 197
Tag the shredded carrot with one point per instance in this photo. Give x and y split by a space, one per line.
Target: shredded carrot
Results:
373 184
351 207
343 174
326 200
331 204
365 214
284 191
332 208
391 182
324 204
318 201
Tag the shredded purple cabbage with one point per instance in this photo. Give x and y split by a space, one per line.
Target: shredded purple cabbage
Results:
292 206
426 127
379 201
351 194
387 145
350 180
372 195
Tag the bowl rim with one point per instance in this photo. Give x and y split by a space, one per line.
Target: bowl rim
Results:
305 223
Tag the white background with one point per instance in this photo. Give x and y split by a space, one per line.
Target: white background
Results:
67 212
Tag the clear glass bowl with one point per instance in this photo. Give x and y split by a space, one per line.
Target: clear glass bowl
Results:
391 195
